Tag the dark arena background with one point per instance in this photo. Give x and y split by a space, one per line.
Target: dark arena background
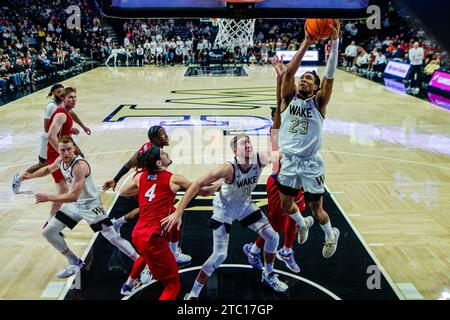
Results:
203 71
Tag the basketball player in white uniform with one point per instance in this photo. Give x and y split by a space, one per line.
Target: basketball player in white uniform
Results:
233 202
303 109
56 100
81 202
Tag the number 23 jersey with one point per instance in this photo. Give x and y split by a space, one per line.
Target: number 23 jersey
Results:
155 201
301 128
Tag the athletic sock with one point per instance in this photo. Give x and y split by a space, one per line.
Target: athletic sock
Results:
329 234
268 268
196 288
71 257
173 246
287 250
120 221
254 249
297 217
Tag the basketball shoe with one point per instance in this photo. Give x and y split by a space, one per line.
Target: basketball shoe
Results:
253 259
71 269
329 248
271 280
302 235
288 259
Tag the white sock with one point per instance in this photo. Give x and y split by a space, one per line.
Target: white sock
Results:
196 288
254 249
287 250
329 234
120 221
173 247
268 268
130 281
297 217
71 257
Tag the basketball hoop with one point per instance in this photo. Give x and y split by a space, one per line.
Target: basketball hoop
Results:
236 32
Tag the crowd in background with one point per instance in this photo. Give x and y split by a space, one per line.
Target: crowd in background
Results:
36 43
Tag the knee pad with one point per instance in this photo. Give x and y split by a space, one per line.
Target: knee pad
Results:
213 262
220 251
271 239
111 235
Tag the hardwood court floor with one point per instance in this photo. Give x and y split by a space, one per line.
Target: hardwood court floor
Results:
387 160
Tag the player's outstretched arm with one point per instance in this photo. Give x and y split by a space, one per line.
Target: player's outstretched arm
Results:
288 88
324 94
80 123
280 70
179 182
79 173
224 171
294 64
43 171
265 158
131 163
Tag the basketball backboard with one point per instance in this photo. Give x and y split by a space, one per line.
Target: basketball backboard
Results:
219 8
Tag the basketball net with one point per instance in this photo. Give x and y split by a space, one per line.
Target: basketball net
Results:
235 33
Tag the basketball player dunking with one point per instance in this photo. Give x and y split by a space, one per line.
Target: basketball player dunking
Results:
82 201
157 136
234 202
281 222
303 109
56 101
156 188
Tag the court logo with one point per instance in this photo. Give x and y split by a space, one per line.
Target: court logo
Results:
374 280
74 20
374 21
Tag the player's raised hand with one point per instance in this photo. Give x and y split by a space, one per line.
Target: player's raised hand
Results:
75 131
309 40
336 29
41 197
278 65
171 221
109 184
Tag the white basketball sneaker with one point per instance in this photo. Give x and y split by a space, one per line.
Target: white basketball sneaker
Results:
303 233
16 181
71 269
329 248
146 276
180 257
271 280
190 296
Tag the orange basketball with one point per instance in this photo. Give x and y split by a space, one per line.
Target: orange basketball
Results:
319 28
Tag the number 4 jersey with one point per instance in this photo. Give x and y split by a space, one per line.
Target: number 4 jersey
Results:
301 128
155 202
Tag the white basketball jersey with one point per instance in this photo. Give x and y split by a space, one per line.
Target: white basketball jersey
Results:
89 197
238 192
50 108
301 128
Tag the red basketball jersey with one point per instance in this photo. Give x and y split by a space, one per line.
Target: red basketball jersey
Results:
145 147
155 203
65 129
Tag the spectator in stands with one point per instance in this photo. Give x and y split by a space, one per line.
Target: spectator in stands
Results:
431 67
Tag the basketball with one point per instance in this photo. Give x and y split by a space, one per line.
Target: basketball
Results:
319 28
